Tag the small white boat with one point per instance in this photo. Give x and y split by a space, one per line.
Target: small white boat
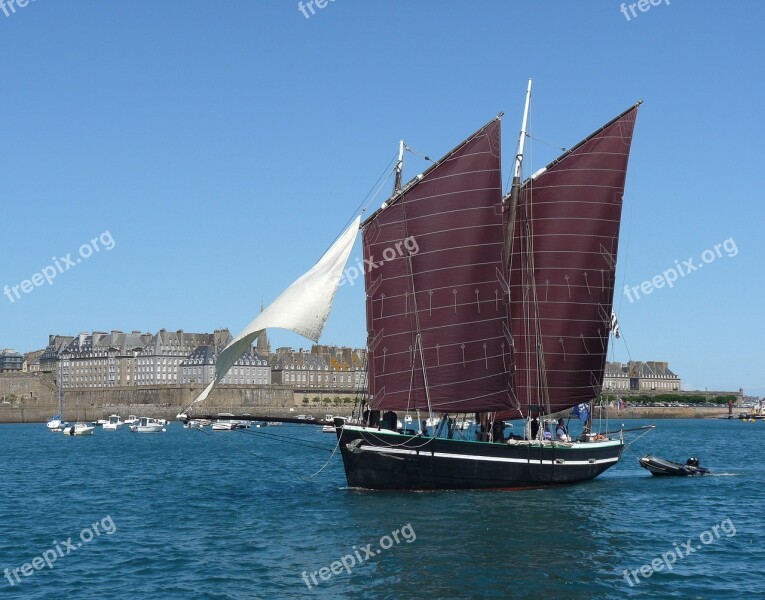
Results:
113 423
223 425
100 422
132 420
147 425
332 428
197 423
79 429
56 423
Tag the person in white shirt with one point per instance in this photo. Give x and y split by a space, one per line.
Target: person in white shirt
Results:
561 432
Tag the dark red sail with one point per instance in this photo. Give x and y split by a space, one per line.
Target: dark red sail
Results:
435 310
562 269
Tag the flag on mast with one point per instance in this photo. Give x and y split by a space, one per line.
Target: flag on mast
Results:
615 325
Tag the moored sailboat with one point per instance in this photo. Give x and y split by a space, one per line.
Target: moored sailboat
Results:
57 423
504 311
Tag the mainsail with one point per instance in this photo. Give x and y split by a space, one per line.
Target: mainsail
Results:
562 268
303 307
436 318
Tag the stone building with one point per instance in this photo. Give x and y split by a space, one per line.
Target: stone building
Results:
199 367
324 368
159 360
639 376
11 361
32 361
99 359
48 360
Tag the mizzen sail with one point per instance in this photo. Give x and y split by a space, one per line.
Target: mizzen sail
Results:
562 269
303 307
436 318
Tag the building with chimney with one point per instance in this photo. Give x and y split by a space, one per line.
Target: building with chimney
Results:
159 361
11 361
100 359
323 368
639 376
199 367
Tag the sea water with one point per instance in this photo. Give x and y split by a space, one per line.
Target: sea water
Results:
187 514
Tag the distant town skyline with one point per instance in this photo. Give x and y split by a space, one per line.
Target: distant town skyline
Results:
193 360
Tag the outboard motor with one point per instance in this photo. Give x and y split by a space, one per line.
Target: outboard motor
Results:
692 462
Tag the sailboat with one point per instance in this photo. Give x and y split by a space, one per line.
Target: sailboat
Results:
504 310
57 423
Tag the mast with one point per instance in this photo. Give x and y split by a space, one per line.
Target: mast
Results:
60 389
516 186
399 167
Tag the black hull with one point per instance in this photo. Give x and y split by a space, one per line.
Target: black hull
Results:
383 460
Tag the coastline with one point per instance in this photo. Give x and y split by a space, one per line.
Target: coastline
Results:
20 415
33 398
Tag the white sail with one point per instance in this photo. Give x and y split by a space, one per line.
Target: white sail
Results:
303 307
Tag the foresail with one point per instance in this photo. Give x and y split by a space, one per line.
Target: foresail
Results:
563 269
303 307
435 311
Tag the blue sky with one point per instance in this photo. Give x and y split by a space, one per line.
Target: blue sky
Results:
224 145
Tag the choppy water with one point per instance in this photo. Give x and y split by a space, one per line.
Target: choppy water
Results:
227 515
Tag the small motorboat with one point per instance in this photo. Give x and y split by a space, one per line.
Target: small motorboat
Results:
660 466
113 423
224 425
148 425
78 429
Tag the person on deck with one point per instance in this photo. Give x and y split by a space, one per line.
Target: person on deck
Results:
534 426
498 431
561 432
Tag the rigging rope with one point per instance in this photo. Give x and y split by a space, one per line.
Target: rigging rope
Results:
551 144
292 440
422 156
361 208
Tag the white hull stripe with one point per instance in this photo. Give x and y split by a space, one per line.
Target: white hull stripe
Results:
557 462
